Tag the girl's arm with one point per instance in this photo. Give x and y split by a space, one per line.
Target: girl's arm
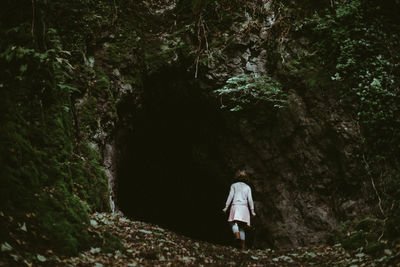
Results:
229 200
251 203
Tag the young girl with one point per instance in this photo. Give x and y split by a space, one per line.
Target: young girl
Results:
241 198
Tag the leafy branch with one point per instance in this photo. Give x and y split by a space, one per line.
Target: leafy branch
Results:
246 89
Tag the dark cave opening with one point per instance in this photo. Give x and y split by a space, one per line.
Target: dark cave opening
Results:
170 171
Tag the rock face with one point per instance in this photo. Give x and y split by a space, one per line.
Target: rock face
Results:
168 99
303 159
300 172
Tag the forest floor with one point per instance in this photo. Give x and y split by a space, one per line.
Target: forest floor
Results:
149 245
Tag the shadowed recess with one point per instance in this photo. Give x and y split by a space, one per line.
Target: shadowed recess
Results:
170 170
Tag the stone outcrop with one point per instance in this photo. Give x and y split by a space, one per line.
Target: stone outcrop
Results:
303 159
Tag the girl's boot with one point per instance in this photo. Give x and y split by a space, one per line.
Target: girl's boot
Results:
243 244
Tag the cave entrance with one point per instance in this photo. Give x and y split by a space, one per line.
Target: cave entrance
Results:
170 170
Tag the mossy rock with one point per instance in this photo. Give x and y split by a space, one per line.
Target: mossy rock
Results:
369 224
354 241
373 248
112 243
90 180
107 241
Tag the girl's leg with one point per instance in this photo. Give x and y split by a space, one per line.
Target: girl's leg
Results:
242 236
242 239
235 229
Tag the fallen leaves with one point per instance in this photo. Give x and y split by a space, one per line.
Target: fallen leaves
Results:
6 247
93 223
95 250
149 245
41 258
22 227
145 244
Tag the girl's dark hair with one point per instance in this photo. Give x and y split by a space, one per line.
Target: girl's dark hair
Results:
241 176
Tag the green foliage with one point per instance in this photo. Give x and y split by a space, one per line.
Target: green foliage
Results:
356 43
45 171
247 89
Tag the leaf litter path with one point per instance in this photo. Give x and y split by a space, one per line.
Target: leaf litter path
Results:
145 244
149 245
